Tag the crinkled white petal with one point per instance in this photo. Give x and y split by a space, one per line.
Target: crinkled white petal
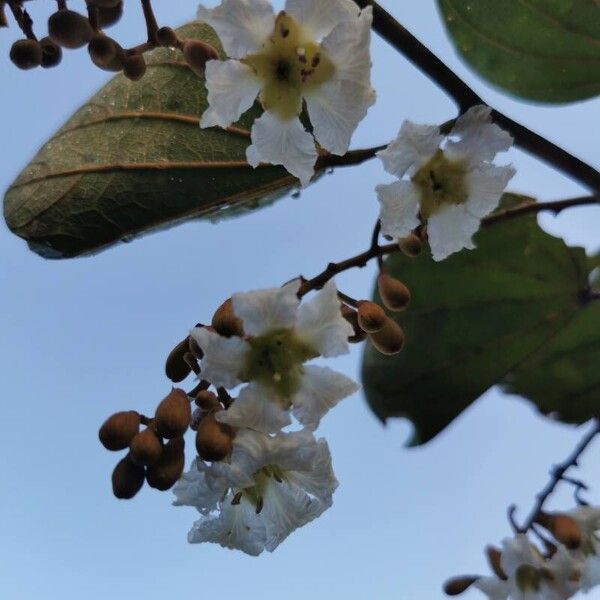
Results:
255 408
242 25
232 88
590 573
399 208
480 139
237 527
262 311
294 451
493 588
223 357
413 147
321 389
321 325
335 109
517 551
587 517
284 143
566 571
450 230
193 489
319 17
486 184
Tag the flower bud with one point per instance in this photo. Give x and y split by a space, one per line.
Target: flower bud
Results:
3 19
69 29
26 54
395 295
134 66
352 317
166 36
176 368
127 479
51 53
458 585
225 322
109 15
207 400
563 528
214 440
371 317
390 339
146 447
105 3
118 430
196 54
103 50
411 245
163 474
173 414
494 557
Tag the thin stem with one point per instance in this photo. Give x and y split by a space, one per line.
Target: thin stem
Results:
22 18
351 158
465 97
151 24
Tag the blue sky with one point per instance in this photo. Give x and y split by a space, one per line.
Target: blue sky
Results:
84 338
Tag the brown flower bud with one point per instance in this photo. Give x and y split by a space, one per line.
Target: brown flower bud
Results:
3 19
166 36
109 15
352 317
197 53
176 368
225 322
146 447
69 29
51 53
207 400
103 50
395 295
458 585
371 317
127 479
214 440
564 528
134 66
105 3
390 339
163 474
118 430
494 557
173 414
411 245
26 54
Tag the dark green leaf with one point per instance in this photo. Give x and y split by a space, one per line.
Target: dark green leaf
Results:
543 50
473 318
134 158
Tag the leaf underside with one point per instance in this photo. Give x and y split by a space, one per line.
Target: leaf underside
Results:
134 159
541 50
509 311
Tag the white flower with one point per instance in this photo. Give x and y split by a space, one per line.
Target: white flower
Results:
588 555
270 486
315 51
282 335
451 187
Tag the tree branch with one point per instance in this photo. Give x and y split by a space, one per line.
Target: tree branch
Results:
465 97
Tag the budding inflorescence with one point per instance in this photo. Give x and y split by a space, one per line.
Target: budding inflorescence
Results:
69 29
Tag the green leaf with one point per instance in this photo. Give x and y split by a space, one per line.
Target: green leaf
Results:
134 158
473 319
543 50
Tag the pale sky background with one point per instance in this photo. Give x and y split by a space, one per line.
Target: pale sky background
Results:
84 338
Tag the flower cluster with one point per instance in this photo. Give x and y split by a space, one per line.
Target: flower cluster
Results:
569 564
254 483
449 182
314 55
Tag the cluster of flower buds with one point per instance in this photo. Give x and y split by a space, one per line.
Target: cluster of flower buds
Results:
68 29
567 563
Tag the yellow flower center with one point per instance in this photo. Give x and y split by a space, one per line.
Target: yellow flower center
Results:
441 182
288 65
275 360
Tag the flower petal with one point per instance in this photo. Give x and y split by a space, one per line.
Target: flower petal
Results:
413 147
321 325
493 588
192 489
480 139
450 230
590 574
399 208
284 143
255 409
319 17
486 185
321 389
223 357
232 88
242 25
262 311
236 526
